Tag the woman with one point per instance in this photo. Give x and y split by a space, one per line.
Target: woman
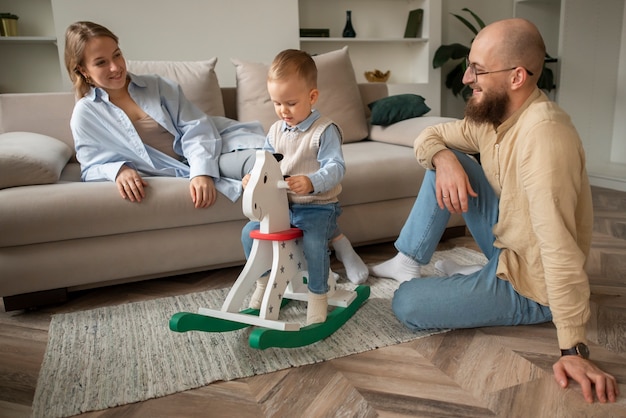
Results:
127 125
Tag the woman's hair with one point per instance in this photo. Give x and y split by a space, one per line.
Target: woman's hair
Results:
292 62
76 37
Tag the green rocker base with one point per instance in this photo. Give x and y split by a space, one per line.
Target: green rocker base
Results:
261 337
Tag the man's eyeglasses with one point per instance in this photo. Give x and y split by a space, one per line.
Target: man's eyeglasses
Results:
475 73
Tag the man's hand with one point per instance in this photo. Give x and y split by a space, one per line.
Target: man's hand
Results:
587 375
452 184
130 184
203 192
299 184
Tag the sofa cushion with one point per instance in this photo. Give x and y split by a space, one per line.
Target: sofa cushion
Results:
339 99
197 79
28 158
405 132
376 171
397 108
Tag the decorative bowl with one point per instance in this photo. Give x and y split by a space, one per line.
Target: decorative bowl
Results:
377 76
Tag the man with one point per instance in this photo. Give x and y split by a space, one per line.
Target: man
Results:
527 204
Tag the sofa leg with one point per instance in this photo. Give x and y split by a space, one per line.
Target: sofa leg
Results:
34 299
453 232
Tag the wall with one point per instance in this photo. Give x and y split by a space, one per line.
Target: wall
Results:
618 148
590 57
189 29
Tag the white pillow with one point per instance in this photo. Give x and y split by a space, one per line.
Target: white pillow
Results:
197 79
28 158
340 98
405 132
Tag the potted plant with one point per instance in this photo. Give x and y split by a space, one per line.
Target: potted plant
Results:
458 52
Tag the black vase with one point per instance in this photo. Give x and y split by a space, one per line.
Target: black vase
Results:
348 30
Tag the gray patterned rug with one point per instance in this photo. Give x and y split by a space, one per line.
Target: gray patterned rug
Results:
117 355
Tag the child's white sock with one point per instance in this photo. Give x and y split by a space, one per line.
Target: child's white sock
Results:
356 270
449 267
317 308
257 296
401 268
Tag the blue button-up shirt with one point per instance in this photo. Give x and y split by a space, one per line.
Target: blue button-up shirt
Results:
105 137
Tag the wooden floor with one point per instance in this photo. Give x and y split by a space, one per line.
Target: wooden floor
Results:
499 372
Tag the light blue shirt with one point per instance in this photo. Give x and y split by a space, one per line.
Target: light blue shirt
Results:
330 155
105 137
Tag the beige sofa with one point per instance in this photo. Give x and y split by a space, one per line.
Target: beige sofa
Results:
58 234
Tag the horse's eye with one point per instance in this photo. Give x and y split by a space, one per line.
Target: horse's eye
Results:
265 179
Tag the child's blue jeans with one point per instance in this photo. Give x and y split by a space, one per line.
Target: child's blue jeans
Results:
318 224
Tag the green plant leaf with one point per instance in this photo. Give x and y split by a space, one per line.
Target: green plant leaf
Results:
478 19
446 53
466 23
546 79
454 79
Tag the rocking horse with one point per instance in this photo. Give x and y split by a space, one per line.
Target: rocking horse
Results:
276 249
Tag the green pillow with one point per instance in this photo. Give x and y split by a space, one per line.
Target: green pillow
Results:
396 108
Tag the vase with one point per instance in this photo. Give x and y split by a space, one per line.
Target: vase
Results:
348 30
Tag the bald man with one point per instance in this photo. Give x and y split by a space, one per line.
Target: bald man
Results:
527 204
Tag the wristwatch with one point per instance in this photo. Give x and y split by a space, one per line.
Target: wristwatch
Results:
579 349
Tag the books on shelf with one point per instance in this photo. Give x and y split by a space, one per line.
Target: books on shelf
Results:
414 24
314 33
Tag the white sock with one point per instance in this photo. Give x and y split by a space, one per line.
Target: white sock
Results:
356 270
317 308
449 267
401 268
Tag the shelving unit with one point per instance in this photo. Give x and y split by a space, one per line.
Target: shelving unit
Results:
33 55
379 42
28 40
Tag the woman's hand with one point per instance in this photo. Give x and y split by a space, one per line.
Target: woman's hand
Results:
130 184
203 192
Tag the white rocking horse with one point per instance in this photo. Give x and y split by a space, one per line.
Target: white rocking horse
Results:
276 248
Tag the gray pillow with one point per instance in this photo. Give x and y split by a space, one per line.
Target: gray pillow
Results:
340 97
28 158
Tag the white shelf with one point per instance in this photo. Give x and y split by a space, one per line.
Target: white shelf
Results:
311 39
28 40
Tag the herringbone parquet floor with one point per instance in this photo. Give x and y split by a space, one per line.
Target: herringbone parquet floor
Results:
500 372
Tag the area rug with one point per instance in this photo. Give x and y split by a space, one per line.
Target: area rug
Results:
116 355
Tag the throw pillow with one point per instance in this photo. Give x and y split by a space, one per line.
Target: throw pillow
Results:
405 132
397 108
340 98
28 158
197 79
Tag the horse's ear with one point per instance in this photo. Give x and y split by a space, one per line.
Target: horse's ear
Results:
278 157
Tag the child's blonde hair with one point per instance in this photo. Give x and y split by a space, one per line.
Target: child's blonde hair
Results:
292 62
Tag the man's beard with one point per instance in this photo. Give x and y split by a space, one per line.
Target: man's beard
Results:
490 110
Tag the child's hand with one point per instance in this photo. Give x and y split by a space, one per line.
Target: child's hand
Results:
300 184
245 180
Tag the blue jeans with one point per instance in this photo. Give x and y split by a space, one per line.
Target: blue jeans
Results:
318 224
459 301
